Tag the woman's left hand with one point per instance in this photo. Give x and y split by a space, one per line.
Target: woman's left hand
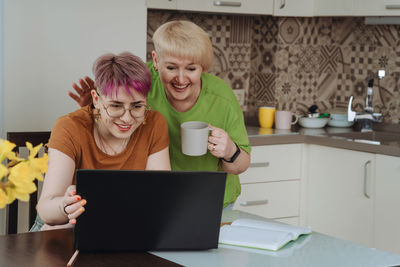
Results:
220 144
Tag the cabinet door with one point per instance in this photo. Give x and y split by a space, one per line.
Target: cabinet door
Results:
339 193
294 7
376 7
387 202
333 8
263 7
161 4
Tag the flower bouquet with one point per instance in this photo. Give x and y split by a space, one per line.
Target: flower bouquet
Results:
18 175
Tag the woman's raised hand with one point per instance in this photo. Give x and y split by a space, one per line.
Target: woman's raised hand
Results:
72 204
220 144
83 98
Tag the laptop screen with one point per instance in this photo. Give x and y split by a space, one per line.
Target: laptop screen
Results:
149 210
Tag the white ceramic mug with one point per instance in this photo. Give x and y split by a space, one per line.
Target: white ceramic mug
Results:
284 119
194 138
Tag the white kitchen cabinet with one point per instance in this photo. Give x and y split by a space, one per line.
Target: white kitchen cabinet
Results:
303 8
387 202
376 8
162 4
271 186
340 194
333 8
264 7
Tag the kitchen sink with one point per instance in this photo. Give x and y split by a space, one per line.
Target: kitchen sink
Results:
370 136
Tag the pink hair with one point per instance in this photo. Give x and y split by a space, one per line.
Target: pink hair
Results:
112 71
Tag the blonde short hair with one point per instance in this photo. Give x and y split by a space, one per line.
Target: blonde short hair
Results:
184 39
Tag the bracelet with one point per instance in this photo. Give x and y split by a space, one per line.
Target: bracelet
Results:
66 213
234 155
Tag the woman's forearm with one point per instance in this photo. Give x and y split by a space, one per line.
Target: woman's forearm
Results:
241 163
50 210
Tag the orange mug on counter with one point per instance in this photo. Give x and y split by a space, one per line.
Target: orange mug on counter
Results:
266 116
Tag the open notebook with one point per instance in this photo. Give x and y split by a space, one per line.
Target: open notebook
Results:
260 234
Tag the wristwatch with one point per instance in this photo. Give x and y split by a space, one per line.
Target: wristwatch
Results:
234 155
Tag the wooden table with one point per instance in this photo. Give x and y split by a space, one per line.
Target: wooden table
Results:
55 248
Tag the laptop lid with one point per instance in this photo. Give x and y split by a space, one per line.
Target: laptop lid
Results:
130 210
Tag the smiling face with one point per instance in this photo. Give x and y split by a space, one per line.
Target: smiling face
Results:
121 127
181 79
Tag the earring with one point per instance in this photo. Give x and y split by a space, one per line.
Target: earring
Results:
155 67
96 115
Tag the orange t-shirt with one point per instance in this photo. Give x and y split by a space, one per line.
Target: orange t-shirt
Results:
73 135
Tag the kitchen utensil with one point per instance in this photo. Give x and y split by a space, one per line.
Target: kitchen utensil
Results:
340 123
285 119
339 116
313 122
266 116
194 138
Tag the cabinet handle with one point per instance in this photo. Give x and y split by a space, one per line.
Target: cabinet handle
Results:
259 164
227 3
283 4
392 6
253 202
366 178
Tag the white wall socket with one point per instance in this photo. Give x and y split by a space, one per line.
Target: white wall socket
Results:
239 95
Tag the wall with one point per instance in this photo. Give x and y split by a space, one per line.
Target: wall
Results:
2 217
292 63
49 44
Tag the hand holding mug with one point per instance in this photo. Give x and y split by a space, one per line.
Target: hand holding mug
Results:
220 144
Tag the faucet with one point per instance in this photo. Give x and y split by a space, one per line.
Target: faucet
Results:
367 117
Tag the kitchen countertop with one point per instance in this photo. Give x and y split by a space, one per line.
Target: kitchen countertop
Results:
311 250
260 136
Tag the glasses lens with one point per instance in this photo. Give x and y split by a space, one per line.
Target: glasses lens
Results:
138 111
115 110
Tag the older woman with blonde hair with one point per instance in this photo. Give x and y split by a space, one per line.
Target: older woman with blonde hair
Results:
182 90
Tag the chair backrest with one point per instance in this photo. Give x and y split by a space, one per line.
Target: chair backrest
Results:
19 139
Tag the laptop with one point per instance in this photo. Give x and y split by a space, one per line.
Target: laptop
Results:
129 210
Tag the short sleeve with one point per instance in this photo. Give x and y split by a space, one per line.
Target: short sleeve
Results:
160 136
62 137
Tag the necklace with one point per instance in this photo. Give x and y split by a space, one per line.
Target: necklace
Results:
104 148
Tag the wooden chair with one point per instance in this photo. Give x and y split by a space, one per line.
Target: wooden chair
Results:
19 138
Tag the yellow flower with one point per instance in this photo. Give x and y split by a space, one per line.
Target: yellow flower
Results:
3 171
21 173
33 151
3 198
6 148
39 166
10 195
21 192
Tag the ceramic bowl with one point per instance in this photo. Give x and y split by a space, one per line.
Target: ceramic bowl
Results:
313 122
339 116
340 123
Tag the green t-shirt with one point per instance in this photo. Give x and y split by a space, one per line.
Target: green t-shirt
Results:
216 105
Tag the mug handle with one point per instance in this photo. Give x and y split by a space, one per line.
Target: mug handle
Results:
297 118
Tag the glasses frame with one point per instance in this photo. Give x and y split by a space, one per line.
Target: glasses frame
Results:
147 109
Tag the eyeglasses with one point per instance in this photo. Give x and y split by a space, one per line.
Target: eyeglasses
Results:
137 111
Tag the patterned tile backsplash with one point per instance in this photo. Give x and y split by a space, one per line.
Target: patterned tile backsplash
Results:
292 62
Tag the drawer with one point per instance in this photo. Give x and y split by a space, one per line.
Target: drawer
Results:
273 163
270 200
291 221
